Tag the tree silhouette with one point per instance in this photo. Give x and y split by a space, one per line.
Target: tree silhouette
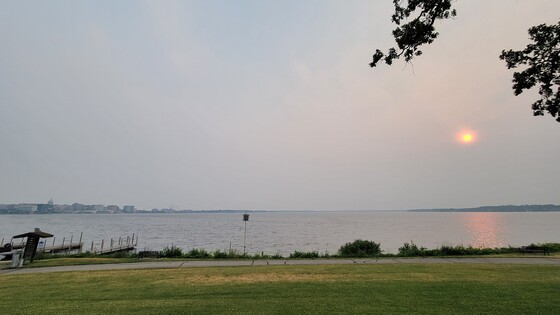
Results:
541 58
418 31
542 61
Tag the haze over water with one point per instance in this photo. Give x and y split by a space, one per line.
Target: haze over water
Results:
285 232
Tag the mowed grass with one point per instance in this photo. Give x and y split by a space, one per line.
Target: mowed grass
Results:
320 289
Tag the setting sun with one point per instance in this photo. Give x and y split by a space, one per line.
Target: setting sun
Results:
466 136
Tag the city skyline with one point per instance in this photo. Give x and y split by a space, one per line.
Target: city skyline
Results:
78 208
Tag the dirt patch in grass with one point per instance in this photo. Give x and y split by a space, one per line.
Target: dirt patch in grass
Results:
217 279
204 276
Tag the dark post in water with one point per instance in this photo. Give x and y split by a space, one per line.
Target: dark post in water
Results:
245 219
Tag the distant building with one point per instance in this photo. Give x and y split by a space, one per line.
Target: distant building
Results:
45 208
24 208
58 208
78 207
98 208
113 208
129 209
67 209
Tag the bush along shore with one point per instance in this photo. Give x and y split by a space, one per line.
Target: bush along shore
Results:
356 249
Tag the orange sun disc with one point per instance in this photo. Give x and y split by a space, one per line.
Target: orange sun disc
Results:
466 136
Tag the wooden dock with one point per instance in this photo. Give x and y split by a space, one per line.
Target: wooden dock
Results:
114 249
123 245
64 247
61 248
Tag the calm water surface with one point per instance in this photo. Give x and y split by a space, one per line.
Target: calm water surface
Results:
284 232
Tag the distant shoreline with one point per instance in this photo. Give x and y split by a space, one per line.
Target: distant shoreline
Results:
503 208
509 208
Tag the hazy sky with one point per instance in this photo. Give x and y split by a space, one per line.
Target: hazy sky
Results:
267 105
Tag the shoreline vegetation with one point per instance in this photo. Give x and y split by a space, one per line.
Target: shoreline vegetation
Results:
355 249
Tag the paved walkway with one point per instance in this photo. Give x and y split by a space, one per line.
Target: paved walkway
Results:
231 263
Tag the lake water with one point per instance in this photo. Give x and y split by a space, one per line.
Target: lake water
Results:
284 232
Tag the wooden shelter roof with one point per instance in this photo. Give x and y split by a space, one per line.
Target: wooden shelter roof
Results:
37 233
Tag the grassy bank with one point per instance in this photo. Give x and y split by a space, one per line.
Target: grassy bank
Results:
416 288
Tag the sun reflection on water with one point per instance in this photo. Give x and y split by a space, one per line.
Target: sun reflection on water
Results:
484 229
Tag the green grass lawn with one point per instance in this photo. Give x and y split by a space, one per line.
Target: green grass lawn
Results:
322 289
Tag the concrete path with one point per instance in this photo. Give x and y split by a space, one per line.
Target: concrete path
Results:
231 263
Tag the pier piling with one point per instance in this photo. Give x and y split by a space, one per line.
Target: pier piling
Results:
81 234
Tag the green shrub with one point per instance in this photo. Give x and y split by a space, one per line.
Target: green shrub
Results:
298 254
360 248
197 253
171 252
552 247
220 255
411 250
277 256
458 250
448 250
